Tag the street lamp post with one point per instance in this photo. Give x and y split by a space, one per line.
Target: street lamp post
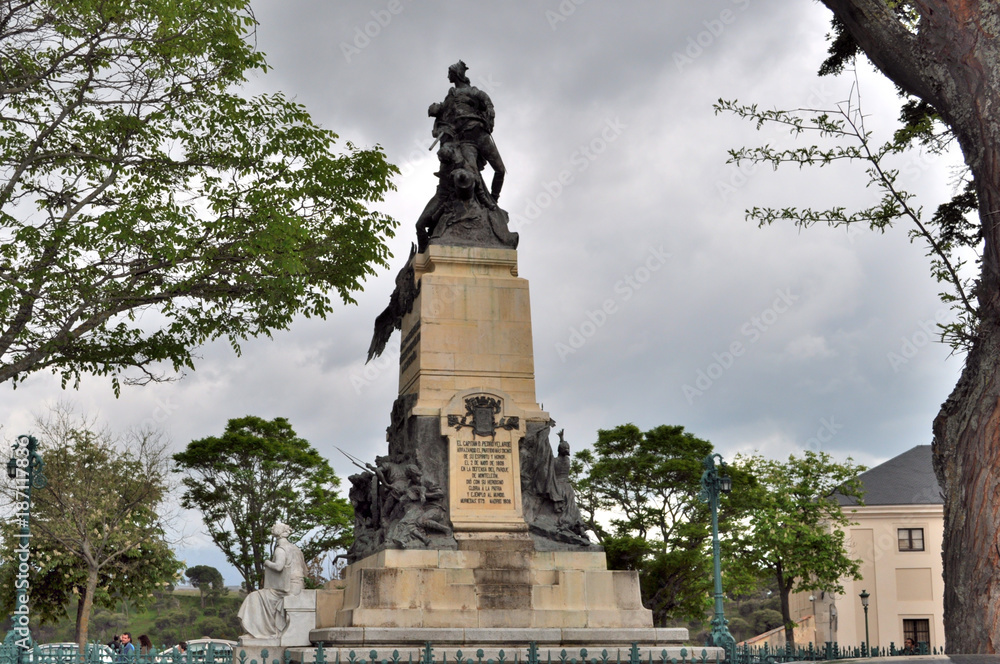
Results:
864 603
25 468
712 484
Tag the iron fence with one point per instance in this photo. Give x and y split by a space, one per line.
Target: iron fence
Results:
97 653
830 651
429 654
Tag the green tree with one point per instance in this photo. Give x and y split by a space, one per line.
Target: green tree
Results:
135 179
650 481
256 473
96 532
945 55
793 530
206 579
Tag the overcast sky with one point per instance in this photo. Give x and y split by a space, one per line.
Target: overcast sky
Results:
829 326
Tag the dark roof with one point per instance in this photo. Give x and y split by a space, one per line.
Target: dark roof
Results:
907 479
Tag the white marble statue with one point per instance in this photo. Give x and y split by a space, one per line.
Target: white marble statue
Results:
263 612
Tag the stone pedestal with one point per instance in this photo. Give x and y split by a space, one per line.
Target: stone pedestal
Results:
469 328
492 581
301 612
515 566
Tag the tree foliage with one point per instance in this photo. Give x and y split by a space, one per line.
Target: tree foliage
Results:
944 55
96 529
793 530
649 481
207 580
146 207
949 237
256 473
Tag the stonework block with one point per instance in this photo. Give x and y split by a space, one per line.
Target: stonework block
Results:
388 617
328 604
516 364
441 594
503 597
513 636
543 560
626 589
483 363
437 361
458 559
409 558
544 577
503 576
598 635
303 601
338 635
461 576
515 305
618 618
571 591
560 618
579 560
600 589
505 617
674 635
435 618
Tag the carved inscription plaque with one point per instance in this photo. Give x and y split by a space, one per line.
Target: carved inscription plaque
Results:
483 431
485 477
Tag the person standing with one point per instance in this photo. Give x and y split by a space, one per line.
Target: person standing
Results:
127 650
145 645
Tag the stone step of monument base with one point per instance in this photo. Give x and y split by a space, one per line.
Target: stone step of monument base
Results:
500 585
655 644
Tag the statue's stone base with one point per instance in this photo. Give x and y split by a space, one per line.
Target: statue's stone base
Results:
301 612
494 580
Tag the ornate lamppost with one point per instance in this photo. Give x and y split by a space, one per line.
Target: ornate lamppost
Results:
712 484
25 467
864 603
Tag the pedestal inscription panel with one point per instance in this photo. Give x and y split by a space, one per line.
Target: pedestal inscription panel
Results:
483 429
484 476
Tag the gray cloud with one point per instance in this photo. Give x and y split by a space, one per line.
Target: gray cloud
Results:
651 70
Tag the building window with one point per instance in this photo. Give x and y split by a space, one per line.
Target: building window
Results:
911 539
918 630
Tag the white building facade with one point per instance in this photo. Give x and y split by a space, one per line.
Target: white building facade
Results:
898 537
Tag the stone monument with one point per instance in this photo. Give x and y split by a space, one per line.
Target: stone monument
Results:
282 613
467 532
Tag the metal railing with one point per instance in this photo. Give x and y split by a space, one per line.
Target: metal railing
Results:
429 654
97 653
830 651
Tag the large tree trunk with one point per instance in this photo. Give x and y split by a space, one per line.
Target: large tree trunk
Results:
967 461
784 592
84 608
952 62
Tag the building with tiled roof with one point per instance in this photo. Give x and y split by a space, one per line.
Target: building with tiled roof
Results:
897 536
